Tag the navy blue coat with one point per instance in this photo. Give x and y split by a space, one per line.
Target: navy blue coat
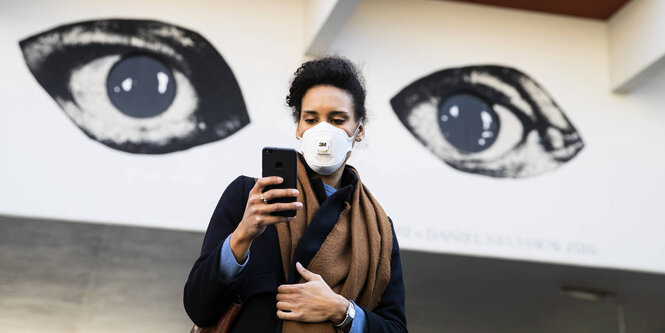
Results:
207 294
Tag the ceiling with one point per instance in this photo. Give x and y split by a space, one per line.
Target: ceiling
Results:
594 9
455 293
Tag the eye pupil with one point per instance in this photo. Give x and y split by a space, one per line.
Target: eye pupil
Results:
140 86
468 123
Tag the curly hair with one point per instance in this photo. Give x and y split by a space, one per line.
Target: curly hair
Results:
332 70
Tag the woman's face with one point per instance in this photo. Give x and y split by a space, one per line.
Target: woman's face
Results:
331 104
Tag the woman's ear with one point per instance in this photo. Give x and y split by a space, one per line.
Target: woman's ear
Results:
361 132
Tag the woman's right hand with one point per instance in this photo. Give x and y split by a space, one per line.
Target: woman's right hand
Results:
257 215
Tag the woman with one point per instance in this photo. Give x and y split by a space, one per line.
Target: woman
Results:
336 264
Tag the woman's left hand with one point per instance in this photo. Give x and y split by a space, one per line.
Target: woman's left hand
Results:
312 301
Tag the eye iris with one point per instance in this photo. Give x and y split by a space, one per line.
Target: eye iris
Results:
140 86
468 123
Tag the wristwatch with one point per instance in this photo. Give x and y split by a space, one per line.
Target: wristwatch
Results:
350 313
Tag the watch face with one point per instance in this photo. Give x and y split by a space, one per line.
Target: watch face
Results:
350 314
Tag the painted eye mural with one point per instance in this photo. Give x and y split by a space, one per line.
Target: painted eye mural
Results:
142 87
488 120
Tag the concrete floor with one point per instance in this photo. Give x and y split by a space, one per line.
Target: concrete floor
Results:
76 277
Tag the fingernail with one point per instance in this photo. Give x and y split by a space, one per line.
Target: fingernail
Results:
280 179
298 264
298 204
294 192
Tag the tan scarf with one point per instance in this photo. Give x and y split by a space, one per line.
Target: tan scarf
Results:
355 257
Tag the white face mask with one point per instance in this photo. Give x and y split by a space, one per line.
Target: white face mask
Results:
325 146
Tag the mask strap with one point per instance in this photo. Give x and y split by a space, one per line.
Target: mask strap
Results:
356 131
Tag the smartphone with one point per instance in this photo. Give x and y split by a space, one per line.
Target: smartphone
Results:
281 162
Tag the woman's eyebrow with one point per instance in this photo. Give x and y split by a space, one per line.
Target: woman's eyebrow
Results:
330 114
335 113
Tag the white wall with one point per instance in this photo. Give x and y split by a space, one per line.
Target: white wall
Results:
635 38
600 209
50 168
607 199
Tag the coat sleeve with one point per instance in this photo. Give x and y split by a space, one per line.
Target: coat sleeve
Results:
390 314
207 294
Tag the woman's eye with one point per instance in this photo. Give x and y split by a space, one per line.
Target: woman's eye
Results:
488 120
142 87
338 121
310 121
